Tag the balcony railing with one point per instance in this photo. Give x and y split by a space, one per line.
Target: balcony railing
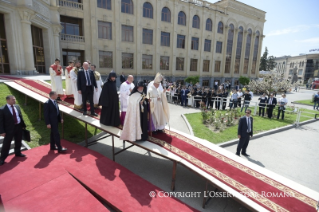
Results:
72 38
70 4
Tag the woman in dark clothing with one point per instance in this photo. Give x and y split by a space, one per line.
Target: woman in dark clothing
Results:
224 99
262 104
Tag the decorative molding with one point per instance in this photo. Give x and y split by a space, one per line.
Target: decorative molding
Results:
26 15
40 8
57 29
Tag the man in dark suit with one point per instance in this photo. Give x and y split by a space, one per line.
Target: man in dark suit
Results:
245 131
86 83
271 104
184 93
122 78
11 125
52 117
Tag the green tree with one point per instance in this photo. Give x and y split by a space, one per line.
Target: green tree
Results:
263 61
192 79
271 63
244 80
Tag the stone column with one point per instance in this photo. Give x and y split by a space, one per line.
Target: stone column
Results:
233 55
261 37
26 17
224 51
56 34
252 44
243 50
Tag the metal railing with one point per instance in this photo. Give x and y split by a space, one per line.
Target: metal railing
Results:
72 38
70 4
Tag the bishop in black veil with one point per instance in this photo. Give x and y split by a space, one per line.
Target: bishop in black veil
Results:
109 100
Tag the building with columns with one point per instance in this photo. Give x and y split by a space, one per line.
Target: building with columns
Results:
216 41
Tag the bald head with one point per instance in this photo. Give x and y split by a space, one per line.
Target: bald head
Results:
85 65
130 78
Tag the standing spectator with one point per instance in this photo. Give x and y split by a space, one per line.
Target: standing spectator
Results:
122 78
237 87
245 131
240 94
272 101
251 94
184 93
282 106
316 101
216 86
307 85
224 99
11 125
218 99
233 100
262 104
247 98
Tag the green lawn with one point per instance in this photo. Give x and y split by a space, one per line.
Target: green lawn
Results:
260 125
74 130
306 102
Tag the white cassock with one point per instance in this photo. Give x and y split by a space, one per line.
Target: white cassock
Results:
68 86
159 106
125 91
97 93
56 82
74 86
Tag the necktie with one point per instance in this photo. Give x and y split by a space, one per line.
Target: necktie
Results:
88 78
14 115
57 107
249 126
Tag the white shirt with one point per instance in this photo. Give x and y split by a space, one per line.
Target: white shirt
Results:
87 75
17 113
251 94
283 100
248 120
240 94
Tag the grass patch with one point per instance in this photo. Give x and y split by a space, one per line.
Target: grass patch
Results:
306 102
74 130
260 124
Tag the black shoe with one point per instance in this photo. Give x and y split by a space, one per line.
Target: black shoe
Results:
56 148
20 155
244 154
238 155
1 162
85 113
63 150
94 114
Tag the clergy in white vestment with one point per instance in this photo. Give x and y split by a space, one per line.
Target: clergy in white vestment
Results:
125 91
99 83
159 106
68 86
74 79
56 73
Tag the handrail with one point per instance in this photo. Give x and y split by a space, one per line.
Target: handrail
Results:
70 4
72 38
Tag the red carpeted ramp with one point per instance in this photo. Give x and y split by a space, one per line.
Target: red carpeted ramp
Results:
48 181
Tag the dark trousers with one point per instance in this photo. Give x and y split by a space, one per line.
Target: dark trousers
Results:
210 104
269 110
88 95
243 144
282 115
224 103
183 100
217 105
232 104
55 137
17 135
239 102
262 110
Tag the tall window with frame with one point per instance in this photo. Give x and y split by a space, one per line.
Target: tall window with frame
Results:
195 43
71 26
38 49
253 69
219 46
4 56
205 83
105 59
206 65
147 10
127 33
165 39
127 6
164 63
209 24
217 66
127 61
229 48
238 49
105 30
196 22
181 18
220 28
166 15
179 64
148 36
147 61
181 41
247 51
208 44
105 4
193 66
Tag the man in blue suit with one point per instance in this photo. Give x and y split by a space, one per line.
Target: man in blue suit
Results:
184 93
245 131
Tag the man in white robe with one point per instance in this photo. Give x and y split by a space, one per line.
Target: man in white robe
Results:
74 79
125 91
56 73
99 83
159 106
68 86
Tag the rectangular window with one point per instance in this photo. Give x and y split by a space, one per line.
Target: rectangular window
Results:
105 59
206 66
208 44
148 36
165 39
195 42
127 33
181 41
71 26
219 46
193 65
127 61
105 30
291 71
147 61
164 63
105 4
217 66
300 72
205 83
179 64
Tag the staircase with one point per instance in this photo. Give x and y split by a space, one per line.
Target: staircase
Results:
24 146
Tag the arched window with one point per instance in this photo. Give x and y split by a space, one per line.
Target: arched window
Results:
256 45
209 24
147 10
247 51
196 21
166 14
181 18
127 6
229 48
238 49
220 28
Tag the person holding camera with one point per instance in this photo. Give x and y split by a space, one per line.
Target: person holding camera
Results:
282 102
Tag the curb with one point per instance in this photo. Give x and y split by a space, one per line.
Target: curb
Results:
235 141
188 125
301 104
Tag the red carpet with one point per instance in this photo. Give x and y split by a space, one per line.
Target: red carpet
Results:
232 173
43 182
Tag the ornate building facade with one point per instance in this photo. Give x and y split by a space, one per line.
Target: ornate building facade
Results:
179 38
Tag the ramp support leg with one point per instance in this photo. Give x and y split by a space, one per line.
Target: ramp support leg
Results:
62 126
86 135
174 176
113 148
25 100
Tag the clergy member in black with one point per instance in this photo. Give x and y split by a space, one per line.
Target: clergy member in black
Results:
52 118
86 83
11 125
245 131
109 100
